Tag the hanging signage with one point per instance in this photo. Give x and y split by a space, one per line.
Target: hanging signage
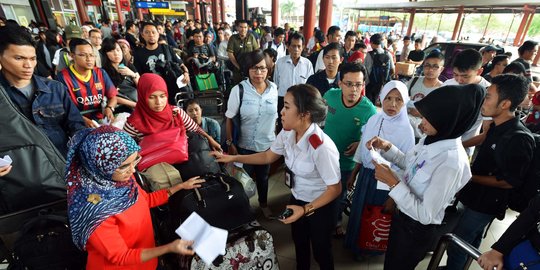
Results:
152 4
92 2
124 5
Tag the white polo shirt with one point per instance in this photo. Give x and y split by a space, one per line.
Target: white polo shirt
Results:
314 162
286 74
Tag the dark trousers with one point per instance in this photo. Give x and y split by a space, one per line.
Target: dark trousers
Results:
314 233
261 176
408 243
280 104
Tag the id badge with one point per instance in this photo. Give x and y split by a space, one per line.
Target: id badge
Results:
289 177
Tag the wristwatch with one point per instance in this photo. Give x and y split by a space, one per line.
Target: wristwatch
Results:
110 107
228 142
309 209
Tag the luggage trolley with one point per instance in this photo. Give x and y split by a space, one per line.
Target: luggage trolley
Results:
472 252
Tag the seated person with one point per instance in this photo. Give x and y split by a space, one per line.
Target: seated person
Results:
108 211
209 125
200 54
44 102
153 114
88 85
123 74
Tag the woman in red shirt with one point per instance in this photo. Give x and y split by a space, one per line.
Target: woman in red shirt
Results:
109 213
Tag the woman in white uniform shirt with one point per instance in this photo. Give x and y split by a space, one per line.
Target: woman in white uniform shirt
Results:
312 160
434 171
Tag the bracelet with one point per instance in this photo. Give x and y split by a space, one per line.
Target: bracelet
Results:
394 185
111 108
169 192
309 211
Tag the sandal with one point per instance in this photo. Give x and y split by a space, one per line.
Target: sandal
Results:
339 232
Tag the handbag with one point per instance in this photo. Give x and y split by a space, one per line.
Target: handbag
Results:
523 256
221 201
374 228
243 177
168 146
162 175
206 81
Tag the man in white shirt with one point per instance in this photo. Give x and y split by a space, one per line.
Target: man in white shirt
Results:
292 69
467 67
277 44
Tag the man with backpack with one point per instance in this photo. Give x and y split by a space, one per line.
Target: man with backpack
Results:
380 68
500 167
278 43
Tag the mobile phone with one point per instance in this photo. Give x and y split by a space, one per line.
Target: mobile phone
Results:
287 213
121 66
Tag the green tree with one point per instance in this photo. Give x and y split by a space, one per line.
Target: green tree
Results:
534 29
287 8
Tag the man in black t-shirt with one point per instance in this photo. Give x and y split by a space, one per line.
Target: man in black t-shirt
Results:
416 56
146 58
200 54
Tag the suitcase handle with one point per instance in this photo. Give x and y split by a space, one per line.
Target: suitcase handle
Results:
200 200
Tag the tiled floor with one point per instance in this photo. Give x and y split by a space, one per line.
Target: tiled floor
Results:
278 197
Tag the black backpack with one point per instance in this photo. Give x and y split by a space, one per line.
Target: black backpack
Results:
379 74
521 196
45 242
170 71
380 70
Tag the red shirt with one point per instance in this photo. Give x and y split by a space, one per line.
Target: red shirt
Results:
535 101
117 243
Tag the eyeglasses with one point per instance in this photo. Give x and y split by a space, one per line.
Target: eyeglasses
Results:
126 167
259 69
428 66
351 84
84 55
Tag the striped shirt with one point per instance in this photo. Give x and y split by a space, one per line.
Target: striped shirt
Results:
189 124
88 92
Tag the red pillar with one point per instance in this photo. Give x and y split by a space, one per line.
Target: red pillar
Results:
458 23
411 22
223 13
83 15
275 12
196 10
325 15
524 35
215 11
309 19
139 14
522 25
119 12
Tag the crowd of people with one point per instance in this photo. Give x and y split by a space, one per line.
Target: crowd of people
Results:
332 107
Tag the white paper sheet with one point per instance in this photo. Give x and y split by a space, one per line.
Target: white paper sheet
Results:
179 81
376 156
5 161
209 241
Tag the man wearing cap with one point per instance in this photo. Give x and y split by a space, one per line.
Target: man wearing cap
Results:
62 59
406 49
488 53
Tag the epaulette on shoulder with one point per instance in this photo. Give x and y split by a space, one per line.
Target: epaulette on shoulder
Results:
315 141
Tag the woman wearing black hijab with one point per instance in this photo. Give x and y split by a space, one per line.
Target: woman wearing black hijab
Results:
434 171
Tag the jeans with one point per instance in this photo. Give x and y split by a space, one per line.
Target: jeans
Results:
261 176
470 228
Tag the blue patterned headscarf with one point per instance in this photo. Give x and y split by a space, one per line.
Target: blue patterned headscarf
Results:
93 196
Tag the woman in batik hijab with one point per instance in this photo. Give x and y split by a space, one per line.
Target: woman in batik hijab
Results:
108 211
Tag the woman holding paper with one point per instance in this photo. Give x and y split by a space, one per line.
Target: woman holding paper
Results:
312 163
108 212
434 171
391 124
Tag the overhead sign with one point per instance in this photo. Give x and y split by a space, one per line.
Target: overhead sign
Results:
152 4
170 12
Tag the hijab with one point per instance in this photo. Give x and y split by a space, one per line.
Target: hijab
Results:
93 196
395 128
144 119
451 110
